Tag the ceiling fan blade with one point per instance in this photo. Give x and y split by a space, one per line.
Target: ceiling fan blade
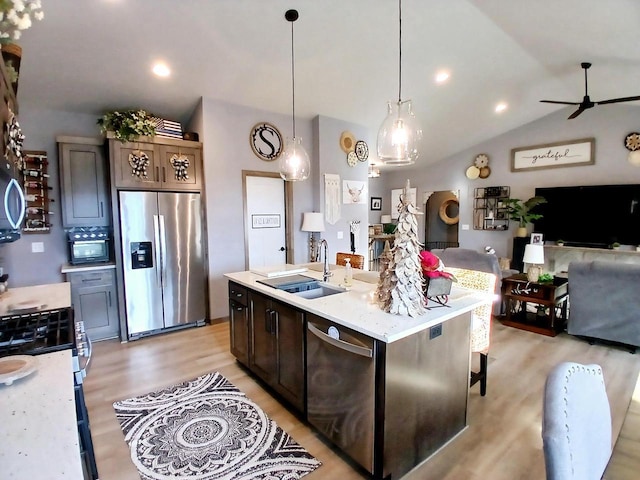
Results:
576 113
561 103
618 100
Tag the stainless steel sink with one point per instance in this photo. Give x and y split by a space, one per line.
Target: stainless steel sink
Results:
320 290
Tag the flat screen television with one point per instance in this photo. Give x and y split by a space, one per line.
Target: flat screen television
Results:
590 216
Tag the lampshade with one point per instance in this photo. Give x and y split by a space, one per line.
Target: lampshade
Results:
312 222
399 134
294 159
534 254
385 218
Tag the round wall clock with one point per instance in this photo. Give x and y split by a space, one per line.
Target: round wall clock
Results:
266 141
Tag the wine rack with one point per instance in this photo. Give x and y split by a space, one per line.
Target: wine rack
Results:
35 182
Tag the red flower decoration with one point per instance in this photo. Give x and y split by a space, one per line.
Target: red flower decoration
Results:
432 266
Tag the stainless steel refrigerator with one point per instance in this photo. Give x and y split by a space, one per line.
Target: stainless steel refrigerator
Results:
163 255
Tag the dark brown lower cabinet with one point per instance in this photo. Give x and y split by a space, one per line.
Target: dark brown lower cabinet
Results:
239 323
276 346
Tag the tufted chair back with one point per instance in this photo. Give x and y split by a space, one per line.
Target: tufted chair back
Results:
576 423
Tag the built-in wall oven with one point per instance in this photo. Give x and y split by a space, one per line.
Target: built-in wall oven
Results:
45 331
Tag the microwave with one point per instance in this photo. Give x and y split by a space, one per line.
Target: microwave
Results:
12 208
88 245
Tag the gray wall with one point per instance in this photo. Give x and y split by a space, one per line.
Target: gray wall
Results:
608 124
224 130
41 128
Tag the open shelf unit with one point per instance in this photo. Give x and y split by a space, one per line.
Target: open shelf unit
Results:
490 208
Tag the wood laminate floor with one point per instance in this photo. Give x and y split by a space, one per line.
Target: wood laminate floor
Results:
502 441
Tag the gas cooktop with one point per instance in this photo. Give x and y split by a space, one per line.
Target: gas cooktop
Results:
36 333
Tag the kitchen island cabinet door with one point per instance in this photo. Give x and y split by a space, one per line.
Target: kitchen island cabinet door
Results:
290 333
83 174
263 352
94 301
277 347
239 323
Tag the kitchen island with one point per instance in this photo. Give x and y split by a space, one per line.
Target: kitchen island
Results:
388 390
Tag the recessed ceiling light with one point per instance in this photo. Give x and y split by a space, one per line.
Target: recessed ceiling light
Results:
501 107
442 76
161 69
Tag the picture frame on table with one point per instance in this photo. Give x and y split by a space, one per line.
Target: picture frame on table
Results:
537 239
376 203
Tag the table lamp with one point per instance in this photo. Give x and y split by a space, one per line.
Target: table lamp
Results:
312 222
534 256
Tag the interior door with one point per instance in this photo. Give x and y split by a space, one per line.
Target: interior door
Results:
182 256
265 221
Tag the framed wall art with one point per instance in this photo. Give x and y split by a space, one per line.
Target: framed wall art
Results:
573 153
376 203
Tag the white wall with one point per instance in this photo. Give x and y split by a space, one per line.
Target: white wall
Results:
608 124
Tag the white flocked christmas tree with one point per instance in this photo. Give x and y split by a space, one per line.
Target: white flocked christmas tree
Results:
401 287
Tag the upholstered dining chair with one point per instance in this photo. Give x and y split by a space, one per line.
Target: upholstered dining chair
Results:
480 319
357 261
576 423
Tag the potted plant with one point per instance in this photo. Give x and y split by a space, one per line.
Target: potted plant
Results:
128 125
615 245
560 242
520 211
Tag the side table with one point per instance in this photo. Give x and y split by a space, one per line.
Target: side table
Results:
550 316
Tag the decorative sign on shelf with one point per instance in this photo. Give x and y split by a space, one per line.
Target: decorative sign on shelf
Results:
572 153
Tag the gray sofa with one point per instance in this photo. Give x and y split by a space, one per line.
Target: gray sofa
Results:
474 260
604 301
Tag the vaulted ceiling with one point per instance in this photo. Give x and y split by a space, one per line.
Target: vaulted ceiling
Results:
91 56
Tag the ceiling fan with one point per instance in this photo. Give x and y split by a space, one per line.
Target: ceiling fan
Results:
586 102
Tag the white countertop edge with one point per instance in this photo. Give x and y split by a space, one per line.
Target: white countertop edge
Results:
355 309
66 268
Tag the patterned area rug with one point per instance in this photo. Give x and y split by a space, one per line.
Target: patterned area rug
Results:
207 429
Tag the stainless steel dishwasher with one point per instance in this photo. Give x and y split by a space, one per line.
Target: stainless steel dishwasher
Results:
341 387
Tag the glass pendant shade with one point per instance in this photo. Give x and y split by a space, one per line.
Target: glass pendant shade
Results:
399 135
294 161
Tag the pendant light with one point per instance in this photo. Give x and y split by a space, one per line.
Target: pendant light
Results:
294 160
399 134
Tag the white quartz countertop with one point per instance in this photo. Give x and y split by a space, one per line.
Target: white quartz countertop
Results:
38 297
38 426
355 308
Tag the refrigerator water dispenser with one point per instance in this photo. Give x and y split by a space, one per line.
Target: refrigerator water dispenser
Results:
141 255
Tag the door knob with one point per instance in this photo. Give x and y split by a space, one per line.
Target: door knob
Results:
282 249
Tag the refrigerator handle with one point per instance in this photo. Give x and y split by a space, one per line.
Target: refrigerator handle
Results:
163 251
156 241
